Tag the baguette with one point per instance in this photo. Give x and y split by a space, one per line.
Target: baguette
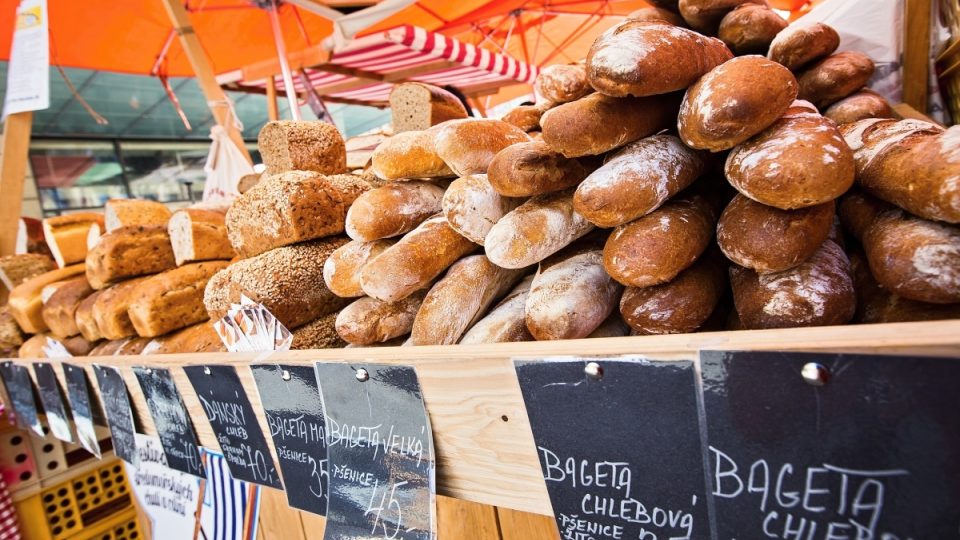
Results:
411 154
15 269
288 208
415 261
172 300
199 235
67 236
506 322
110 309
835 77
528 169
637 180
560 83
393 209
472 206
467 146
460 299
198 338
535 230
290 145
527 117
644 58
128 252
341 270
26 304
128 212
60 305
288 281
86 323
368 320
418 106
750 28
318 334
797 46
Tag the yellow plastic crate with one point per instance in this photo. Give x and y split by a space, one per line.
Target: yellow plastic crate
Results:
72 507
122 526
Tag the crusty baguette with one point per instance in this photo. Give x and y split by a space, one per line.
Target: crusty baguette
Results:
341 270
560 83
368 320
127 212
60 305
506 322
290 145
528 169
393 209
467 146
26 304
472 206
172 300
460 299
67 236
110 309
199 235
128 252
527 117
407 155
290 207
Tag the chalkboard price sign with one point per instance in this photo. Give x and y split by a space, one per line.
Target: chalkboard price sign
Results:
51 396
619 447
294 410
233 421
20 389
116 403
84 405
868 451
177 437
380 452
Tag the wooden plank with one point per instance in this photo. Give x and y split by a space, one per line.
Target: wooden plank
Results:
313 525
14 148
277 520
906 111
273 111
485 450
517 525
916 53
465 520
215 96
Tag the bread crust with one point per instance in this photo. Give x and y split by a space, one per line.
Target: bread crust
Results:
198 338
679 306
858 106
472 206
126 212
532 168
750 28
393 209
705 15
506 321
876 304
797 46
561 83
341 270
129 252
527 117
467 146
368 320
26 303
60 308
199 235
172 300
411 154
654 13
86 323
110 309
835 77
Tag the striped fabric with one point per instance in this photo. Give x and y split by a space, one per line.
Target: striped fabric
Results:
229 507
9 528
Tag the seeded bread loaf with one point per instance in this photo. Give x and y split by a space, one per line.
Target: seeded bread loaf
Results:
67 236
506 322
411 154
835 77
110 309
60 305
127 212
86 323
393 209
128 252
288 208
467 146
291 145
472 206
368 320
15 269
199 235
560 83
858 106
341 270
318 334
679 306
750 28
11 337
417 106
173 299
26 302
797 45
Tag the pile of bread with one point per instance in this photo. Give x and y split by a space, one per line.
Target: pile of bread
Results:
663 185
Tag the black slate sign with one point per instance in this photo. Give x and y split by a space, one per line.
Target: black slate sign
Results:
234 423
294 410
380 453
116 403
51 396
177 437
872 454
20 389
620 452
84 405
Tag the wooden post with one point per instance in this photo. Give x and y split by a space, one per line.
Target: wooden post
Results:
14 148
916 53
216 98
273 112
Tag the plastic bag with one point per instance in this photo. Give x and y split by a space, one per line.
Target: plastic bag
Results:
225 165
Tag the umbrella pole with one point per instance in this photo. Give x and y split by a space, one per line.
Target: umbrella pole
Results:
282 56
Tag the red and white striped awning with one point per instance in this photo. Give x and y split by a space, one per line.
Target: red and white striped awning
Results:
367 68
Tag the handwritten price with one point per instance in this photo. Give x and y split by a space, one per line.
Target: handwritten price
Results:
391 506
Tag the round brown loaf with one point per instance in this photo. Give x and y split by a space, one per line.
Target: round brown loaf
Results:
561 83
677 307
705 15
597 123
472 206
750 28
657 14
528 169
734 102
860 105
535 230
767 239
798 45
637 180
410 154
506 322
526 117
835 77
656 247
878 305
391 210
818 292
799 161
341 270
858 211
368 320
467 146
643 58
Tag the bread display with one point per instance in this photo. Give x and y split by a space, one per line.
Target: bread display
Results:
910 163
290 207
637 180
15 269
60 303
291 145
506 322
413 262
172 300
199 235
110 309
859 106
818 292
598 123
834 78
411 154
656 247
734 102
67 236
750 28
128 252
460 299
643 58
680 306
526 117
128 212
26 302
796 46
561 83
472 206
368 320
467 146
417 106
393 209
341 270
801 160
